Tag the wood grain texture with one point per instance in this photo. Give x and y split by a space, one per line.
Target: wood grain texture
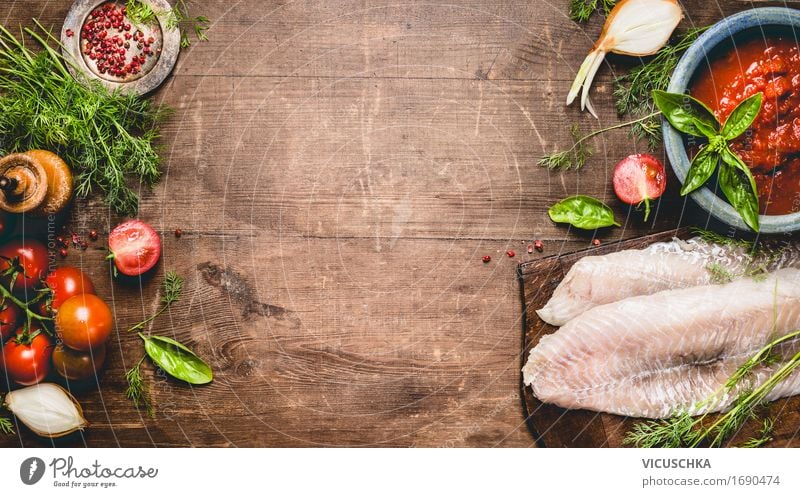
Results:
339 168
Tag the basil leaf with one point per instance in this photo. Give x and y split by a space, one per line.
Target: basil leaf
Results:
742 116
686 114
734 160
739 193
703 166
583 212
177 360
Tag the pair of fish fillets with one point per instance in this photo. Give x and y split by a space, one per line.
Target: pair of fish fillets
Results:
650 332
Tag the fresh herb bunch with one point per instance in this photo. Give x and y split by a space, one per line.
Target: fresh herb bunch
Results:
632 91
582 10
141 13
171 356
106 137
691 117
683 430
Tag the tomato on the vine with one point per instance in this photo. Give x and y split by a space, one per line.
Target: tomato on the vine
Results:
66 282
32 257
26 358
10 314
84 322
76 365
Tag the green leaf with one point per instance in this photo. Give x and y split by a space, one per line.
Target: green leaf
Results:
177 360
583 212
737 190
703 166
742 116
686 114
734 160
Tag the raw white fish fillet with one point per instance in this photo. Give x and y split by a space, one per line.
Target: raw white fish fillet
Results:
596 280
650 356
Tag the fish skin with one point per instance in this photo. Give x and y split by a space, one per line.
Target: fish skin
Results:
654 355
597 280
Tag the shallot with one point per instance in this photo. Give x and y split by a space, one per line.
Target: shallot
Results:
633 27
47 409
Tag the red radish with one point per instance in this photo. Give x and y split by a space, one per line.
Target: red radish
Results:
135 247
640 178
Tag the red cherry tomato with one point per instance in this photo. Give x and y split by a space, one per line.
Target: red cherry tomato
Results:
28 363
84 322
32 257
135 247
66 282
10 314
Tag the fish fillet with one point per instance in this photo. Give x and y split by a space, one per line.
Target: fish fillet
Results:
596 280
650 356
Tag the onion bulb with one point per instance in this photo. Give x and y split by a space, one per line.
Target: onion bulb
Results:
633 27
47 409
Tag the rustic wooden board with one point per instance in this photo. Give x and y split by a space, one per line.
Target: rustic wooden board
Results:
553 426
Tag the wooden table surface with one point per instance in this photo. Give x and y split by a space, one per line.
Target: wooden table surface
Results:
338 169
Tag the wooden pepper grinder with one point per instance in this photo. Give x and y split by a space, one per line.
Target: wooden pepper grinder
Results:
37 183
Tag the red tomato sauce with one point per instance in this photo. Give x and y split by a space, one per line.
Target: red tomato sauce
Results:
771 147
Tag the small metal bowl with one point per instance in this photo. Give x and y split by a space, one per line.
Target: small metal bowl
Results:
698 55
166 45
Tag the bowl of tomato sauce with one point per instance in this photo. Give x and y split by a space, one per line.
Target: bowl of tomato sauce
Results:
754 51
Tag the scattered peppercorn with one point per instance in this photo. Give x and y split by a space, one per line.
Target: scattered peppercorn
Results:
530 249
511 253
63 253
538 245
487 259
178 233
93 235
596 242
70 33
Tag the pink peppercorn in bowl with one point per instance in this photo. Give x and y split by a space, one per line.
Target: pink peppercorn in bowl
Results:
106 45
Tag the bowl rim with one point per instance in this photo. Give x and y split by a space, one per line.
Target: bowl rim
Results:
682 75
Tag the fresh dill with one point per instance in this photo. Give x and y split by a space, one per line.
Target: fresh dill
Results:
6 426
106 137
137 390
582 10
141 13
632 91
576 156
684 430
722 240
764 436
172 289
719 273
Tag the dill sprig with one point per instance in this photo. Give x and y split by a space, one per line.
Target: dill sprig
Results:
576 156
137 390
582 10
632 91
719 273
106 137
6 426
722 240
683 430
141 13
172 289
764 435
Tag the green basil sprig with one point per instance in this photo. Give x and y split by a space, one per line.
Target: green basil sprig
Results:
583 212
690 116
177 360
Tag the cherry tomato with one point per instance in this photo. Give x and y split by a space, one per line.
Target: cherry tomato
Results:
66 282
33 258
84 322
135 247
10 314
77 365
28 363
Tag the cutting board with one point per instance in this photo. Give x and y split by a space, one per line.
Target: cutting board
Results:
553 426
